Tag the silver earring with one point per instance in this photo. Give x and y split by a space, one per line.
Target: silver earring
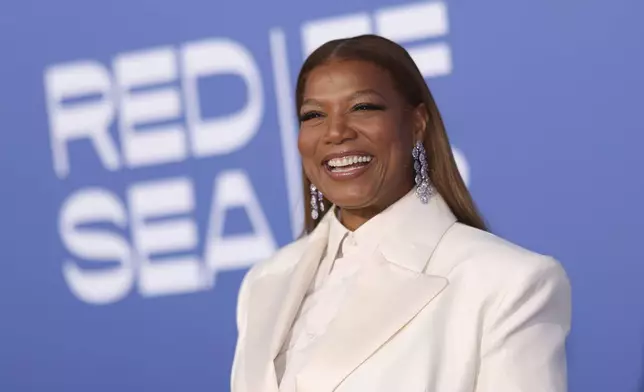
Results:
317 202
424 187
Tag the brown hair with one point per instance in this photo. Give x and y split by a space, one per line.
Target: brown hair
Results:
409 81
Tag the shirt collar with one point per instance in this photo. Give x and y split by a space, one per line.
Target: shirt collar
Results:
337 233
368 236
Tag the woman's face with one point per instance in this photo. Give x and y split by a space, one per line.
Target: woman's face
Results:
356 135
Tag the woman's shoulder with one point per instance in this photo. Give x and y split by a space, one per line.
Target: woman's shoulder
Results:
465 250
284 258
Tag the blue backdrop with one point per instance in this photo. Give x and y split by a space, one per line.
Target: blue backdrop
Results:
147 158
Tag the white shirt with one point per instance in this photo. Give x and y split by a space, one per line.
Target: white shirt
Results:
346 253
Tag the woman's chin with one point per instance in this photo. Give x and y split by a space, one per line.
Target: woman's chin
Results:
352 200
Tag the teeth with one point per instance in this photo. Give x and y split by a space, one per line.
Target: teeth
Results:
351 160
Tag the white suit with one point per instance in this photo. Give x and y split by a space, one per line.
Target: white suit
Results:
441 307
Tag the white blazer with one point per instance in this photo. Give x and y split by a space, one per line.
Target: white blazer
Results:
443 307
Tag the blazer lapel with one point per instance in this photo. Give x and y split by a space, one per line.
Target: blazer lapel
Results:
387 294
386 297
273 304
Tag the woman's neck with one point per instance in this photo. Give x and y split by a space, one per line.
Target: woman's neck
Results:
353 218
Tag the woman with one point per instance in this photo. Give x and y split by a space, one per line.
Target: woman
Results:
397 285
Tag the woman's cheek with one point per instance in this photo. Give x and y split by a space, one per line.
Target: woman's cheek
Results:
306 144
308 170
301 143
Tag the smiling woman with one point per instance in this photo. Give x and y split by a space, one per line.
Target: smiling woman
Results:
396 284
351 111
369 95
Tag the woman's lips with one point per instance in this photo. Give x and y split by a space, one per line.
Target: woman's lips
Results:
348 166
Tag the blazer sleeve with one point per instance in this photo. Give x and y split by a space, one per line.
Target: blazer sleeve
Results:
523 343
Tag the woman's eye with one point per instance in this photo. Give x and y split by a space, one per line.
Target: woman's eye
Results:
367 106
309 116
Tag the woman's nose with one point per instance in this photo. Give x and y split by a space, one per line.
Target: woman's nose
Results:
339 131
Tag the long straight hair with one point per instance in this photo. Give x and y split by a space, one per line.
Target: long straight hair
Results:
393 58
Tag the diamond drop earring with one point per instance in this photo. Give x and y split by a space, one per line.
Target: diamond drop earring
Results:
317 202
424 188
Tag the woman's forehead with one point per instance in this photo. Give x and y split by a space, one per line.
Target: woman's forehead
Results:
348 79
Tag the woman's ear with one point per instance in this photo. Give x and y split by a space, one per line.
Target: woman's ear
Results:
420 119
